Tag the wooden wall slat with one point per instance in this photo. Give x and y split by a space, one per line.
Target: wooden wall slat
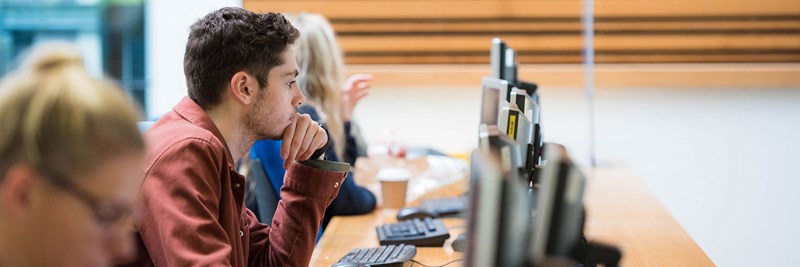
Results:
556 43
349 28
455 43
722 42
346 29
755 26
576 58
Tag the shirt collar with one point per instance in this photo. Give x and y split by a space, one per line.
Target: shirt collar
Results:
192 112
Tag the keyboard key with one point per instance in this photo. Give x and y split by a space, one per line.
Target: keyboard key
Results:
396 251
360 253
384 255
429 224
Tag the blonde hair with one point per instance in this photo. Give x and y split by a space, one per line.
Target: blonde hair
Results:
321 71
59 119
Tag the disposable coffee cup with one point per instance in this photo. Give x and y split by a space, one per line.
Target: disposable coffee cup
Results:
394 183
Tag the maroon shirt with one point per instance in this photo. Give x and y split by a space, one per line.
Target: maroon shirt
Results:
190 210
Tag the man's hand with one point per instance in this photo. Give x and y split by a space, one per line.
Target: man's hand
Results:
353 90
301 139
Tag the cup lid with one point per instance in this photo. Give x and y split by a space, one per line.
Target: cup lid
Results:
393 174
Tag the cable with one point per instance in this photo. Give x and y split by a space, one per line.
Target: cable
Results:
448 263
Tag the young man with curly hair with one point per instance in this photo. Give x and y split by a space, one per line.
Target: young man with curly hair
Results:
240 73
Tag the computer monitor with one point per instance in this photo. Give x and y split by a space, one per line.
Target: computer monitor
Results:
502 60
559 216
491 139
529 87
494 94
558 226
531 142
525 96
497 58
500 213
516 124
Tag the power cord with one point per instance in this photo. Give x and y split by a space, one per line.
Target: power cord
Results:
448 263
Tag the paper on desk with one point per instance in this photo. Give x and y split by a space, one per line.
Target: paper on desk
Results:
437 171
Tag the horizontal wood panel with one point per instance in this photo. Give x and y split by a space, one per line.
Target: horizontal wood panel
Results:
694 58
390 59
753 25
487 25
687 76
753 58
613 8
455 43
721 42
372 27
556 43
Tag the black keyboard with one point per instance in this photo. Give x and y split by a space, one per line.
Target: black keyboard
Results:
445 206
383 256
419 232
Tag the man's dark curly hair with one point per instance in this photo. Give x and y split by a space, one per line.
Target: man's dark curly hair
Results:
230 40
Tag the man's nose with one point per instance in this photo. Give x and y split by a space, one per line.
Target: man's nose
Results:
299 97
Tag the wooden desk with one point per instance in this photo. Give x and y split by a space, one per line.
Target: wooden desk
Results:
344 233
620 209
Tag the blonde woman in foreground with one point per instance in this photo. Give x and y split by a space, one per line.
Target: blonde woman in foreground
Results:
70 164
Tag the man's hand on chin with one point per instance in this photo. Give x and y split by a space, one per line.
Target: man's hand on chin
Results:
301 139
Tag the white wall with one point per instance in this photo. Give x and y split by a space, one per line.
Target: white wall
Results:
167 28
723 162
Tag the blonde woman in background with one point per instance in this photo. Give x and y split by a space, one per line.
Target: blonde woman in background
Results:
70 164
331 100
322 81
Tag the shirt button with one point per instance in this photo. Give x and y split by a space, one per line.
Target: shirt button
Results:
336 185
241 234
237 185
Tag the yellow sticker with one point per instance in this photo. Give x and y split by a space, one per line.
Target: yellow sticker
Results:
512 122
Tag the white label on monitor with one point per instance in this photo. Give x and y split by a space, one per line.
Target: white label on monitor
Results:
509 57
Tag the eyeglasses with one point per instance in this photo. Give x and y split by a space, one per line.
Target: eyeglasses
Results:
105 211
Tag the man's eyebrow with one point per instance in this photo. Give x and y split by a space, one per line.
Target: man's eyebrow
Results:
293 73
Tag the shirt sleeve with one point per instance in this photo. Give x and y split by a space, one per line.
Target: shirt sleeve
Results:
353 199
178 207
309 187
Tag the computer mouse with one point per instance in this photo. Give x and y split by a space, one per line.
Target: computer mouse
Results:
414 212
460 243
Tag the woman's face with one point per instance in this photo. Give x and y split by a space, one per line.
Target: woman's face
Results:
66 229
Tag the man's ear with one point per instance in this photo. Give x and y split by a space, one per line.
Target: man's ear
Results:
243 87
16 188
